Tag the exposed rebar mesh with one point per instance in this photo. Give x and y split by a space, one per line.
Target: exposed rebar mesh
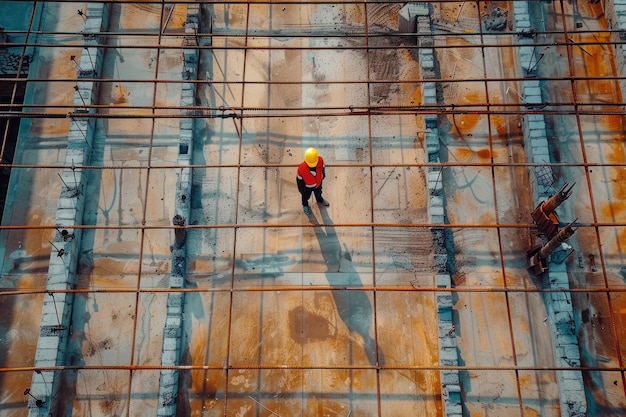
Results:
156 260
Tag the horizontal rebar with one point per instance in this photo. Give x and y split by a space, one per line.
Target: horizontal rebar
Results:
243 2
351 47
236 40
359 110
299 32
330 165
301 225
312 367
199 112
404 80
312 288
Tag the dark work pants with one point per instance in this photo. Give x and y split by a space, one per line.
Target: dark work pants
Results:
306 194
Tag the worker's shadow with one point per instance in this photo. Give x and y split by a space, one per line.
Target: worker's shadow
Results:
354 306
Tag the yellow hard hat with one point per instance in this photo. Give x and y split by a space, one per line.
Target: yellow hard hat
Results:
310 157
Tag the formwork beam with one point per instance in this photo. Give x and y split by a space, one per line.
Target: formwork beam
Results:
566 353
173 331
415 17
65 247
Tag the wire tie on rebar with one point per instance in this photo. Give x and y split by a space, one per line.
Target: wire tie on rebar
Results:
74 172
64 183
73 59
65 235
53 245
90 60
38 402
80 95
45 384
54 301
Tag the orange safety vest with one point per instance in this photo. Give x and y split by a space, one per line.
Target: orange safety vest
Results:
310 180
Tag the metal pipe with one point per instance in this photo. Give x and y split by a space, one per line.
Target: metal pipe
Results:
557 198
562 235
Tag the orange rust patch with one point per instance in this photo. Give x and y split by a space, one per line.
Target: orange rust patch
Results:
524 380
62 66
619 186
417 95
484 153
466 123
178 17
467 154
613 123
416 98
530 412
472 97
487 218
614 208
499 125
619 305
50 127
106 266
306 326
119 94
198 349
616 155
622 238
148 14
464 154
595 65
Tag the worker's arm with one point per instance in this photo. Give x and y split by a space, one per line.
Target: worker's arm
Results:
301 184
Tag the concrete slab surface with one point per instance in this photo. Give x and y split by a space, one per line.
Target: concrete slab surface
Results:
204 110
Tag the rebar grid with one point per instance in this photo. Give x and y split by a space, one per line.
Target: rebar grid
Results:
241 113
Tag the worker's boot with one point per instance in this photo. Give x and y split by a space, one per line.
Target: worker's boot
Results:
323 203
307 209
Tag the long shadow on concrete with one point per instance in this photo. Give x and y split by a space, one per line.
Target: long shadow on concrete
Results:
353 305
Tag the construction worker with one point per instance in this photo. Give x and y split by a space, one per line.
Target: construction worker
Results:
310 175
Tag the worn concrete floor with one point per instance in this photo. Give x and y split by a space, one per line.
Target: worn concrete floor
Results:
319 315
